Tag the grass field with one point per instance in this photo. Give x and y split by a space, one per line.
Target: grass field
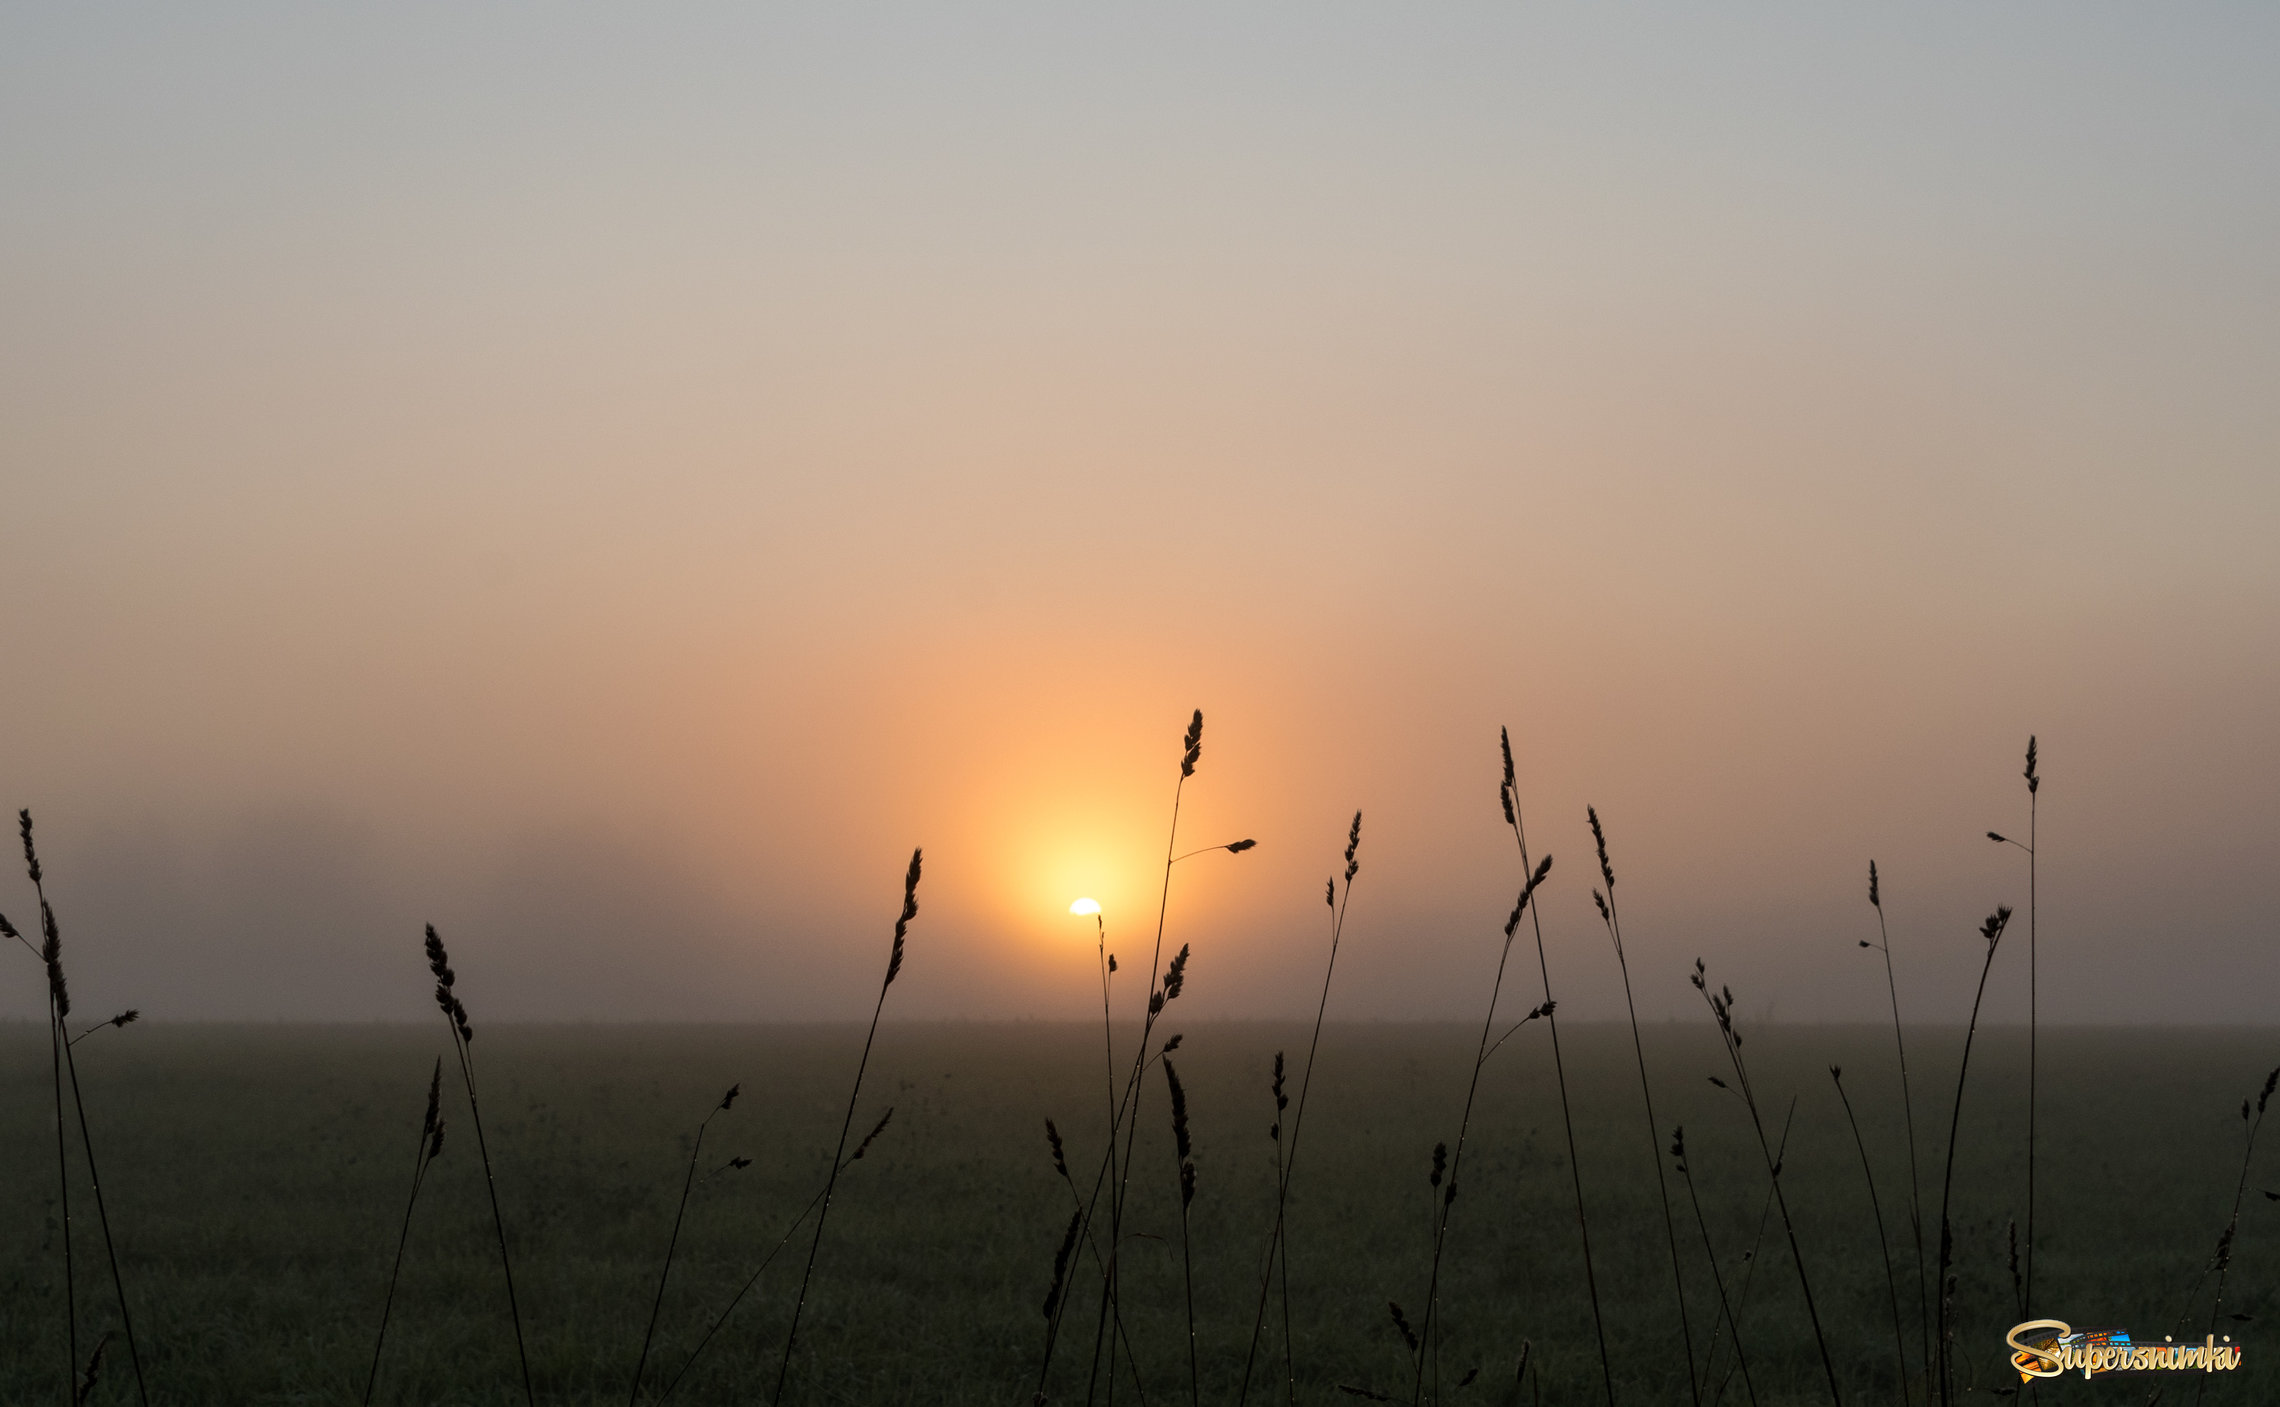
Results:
257 1175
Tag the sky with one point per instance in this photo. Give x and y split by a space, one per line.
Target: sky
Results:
609 481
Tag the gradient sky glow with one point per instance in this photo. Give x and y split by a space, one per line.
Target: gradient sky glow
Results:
609 481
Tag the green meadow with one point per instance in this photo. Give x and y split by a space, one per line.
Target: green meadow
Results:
256 1178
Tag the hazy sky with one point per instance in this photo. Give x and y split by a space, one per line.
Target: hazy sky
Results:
610 480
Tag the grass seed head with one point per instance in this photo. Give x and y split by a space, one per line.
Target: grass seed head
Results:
51 953
1401 1323
1061 1263
1179 1112
1240 846
2034 782
1353 843
909 912
85 1391
1440 1163
1060 1154
1875 900
730 1097
31 856
1992 930
1175 976
1194 745
2265 1097
1527 892
876 1129
1599 839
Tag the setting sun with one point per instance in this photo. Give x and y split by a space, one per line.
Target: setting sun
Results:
1084 906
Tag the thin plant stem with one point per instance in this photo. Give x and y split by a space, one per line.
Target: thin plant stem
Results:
59 999
847 1123
1184 1167
2034 808
1448 1193
1757 1244
769 1259
1613 919
1080 1224
423 1153
63 1185
1721 1007
1883 1247
2232 1224
462 1045
688 1181
59 1007
1717 1280
1516 819
1908 1114
1162 990
1108 1305
738 1297
1992 931
1276 1245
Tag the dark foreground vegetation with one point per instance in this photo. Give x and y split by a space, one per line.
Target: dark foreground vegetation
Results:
257 1177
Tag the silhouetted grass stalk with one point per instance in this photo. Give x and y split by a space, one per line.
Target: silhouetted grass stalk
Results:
62 1144
847 1124
1182 1148
671 1242
1513 817
1276 1246
2240 1188
2034 789
769 1259
462 1041
1609 916
1721 1005
1718 1280
425 1152
1908 1113
1992 931
1883 1247
51 953
1121 1175
1750 1256
1448 1193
